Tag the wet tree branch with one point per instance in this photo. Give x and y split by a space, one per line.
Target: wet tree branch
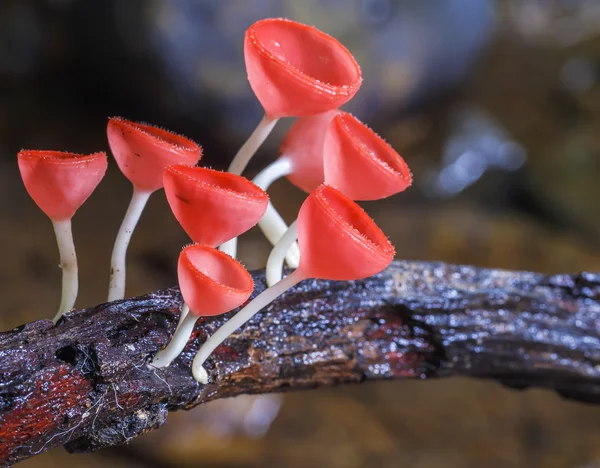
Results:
86 383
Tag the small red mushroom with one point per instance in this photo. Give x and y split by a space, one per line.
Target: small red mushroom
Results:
359 163
338 241
211 283
294 70
213 206
142 152
59 184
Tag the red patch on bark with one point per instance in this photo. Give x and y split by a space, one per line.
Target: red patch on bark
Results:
57 391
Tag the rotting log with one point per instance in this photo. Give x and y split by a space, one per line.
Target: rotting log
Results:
86 383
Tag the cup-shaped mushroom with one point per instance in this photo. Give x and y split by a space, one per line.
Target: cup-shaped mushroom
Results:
298 70
60 182
213 206
142 151
303 147
211 281
338 240
359 163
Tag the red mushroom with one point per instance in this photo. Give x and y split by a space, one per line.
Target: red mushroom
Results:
338 241
211 283
59 184
213 206
341 151
142 152
359 163
294 70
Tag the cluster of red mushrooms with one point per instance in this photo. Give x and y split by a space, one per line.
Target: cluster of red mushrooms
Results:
295 70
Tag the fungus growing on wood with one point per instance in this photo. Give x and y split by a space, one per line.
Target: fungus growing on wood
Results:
348 155
59 183
338 241
212 207
142 152
211 283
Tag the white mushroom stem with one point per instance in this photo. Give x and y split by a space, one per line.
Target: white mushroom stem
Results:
274 269
229 247
271 224
185 309
116 288
239 319
68 263
258 136
241 160
180 338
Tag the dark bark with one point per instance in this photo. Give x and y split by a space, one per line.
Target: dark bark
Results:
86 383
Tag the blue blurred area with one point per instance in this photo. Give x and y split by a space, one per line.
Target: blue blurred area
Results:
180 62
408 49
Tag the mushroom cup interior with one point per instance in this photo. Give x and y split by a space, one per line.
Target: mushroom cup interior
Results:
219 267
356 219
165 136
309 51
373 145
218 180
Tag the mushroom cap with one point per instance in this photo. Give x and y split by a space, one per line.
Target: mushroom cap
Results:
359 163
142 151
211 281
303 146
60 182
213 206
338 240
297 70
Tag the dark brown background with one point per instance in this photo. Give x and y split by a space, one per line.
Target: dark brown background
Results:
527 69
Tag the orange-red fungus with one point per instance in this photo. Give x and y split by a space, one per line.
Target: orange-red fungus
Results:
359 163
298 70
60 182
211 281
213 206
338 240
303 147
142 151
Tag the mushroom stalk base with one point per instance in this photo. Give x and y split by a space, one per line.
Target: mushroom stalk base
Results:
116 287
275 261
182 334
239 319
68 263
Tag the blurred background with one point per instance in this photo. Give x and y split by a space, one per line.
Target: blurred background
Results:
495 105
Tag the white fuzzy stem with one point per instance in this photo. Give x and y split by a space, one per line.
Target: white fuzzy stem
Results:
272 224
180 338
116 288
185 309
241 160
274 269
258 303
258 136
229 247
68 263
